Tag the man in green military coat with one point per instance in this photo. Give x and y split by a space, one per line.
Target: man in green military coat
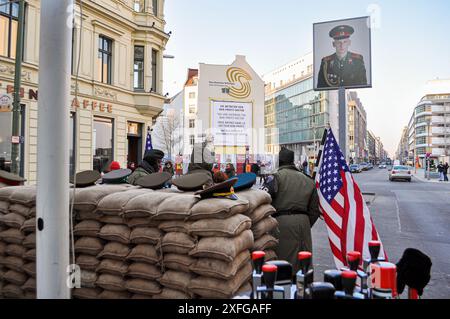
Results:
150 164
342 68
295 199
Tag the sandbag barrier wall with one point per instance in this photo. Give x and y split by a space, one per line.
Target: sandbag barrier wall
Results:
137 243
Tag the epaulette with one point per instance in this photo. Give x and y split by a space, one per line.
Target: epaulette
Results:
328 58
357 56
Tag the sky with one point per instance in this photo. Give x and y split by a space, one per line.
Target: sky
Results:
410 45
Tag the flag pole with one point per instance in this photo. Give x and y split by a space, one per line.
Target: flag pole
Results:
319 156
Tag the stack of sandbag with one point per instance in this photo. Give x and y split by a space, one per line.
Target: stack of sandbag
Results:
263 224
222 253
101 241
17 242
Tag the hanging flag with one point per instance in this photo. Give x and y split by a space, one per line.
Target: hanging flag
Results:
349 224
148 145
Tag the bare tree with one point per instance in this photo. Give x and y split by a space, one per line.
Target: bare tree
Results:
168 132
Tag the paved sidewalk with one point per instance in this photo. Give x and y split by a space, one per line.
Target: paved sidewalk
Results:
420 175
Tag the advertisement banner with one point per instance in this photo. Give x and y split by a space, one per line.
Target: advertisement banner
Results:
342 54
231 123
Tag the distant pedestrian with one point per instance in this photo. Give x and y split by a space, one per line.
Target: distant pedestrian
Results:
305 168
230 170
446 172
168 167
440 168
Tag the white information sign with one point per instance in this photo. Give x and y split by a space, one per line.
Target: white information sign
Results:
232 123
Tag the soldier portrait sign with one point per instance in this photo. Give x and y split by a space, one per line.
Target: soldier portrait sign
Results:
342 54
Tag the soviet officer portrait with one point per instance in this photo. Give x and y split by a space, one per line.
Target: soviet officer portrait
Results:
341 62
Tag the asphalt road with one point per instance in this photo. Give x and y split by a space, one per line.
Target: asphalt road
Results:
407 215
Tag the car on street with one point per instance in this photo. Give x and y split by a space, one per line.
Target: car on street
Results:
382 165
401 172
364 166
355 168
370 166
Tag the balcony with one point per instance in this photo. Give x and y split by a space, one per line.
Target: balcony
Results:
440 141
437 120
438 152
440 130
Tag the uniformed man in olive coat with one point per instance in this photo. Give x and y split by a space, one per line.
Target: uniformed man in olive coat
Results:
342 68
150 164
295 199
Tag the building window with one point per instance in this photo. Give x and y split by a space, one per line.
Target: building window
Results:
191 139
191 123
9 26
154 70
5 140
103 143
138 67
192 95
155 7
104 59
139 5
192 109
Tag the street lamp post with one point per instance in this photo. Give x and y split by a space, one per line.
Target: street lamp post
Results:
430 150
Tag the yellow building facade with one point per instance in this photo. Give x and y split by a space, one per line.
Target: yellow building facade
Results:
119 85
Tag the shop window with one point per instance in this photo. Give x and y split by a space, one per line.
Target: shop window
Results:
5 140
104 59
138 67
103 137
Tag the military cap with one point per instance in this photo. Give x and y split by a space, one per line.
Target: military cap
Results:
86 178
154 153
154 181
224 189
11 179
192 182
246 180
118 176
341 32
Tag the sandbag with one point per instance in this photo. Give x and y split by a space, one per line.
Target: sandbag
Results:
12 291
115 220
4 207
144 271
30 241
265 242
113 267
30 269
207 287
264 226
114 295
255 198
270 255
177 243
141 297
6 192
114 204
220 269
117 233
143 287
13 263
3 247
144 253
86 293
87 262
142 222
30 255
21 210
168 293
29 285
12 236
15 277
179 226
176 207
29 226
219 208
260 213
230 227
146 235
223 248
12 220
88 228
25 195
88 279
114 250
178 262
89 246
145 205
87 199
111 282
15 250
87 215
176 280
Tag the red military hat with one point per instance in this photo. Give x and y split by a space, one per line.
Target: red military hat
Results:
341 32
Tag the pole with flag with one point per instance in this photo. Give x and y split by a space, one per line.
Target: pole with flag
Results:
347 217
148 144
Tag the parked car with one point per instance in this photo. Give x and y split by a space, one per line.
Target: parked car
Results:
400 172
382 165
370 166
364 166
355 168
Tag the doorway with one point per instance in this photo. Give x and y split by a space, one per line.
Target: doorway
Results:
134 137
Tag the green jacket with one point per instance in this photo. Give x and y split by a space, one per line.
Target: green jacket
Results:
138 173
294 191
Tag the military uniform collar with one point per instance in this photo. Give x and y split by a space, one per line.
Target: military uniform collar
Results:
291 166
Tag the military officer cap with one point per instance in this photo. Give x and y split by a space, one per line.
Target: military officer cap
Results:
192 182
118 176
154 181
86 178
224 190
341 32
245 181
154 153
10 179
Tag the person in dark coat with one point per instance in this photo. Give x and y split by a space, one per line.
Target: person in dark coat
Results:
168 167
446 172
295 199
150 164
440 168
230 170
255 169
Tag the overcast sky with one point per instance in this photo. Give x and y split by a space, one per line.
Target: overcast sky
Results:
410 45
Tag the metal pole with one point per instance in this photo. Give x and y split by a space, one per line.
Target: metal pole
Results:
15 147
52 239
343 122
428 162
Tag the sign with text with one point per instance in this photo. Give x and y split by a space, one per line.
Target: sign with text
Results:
231 123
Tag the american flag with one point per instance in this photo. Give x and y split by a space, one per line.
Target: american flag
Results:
349 224
148 145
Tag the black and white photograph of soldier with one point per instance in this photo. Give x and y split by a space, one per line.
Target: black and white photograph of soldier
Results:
342 54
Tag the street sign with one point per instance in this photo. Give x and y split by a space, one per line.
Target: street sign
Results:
5 102
428 155
17 139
